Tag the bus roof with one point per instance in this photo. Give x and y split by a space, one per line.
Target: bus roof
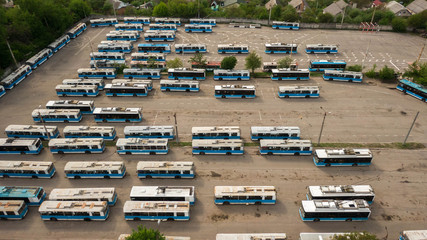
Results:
169 81
130 84
141 141
284 88
335 205
245 190
196 130
158 206
170 191
275 142
75 141
71 206
165 165
36 112
76 193
414 85
339 190
25 165
257 129
321 45
328 61
130 129
68 102
116 110
280 70
237 87
17 141
323 153
197 70
340 71
318 236
96 70
29 128
218 142
89 87
19 191
101 129
11 205
190 45
216 71
281 44
153 45
93 165
415 234
232 45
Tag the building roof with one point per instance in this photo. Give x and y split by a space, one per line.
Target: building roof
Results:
394 6
270 4
377 3
117 4
417 6
296 3
335 8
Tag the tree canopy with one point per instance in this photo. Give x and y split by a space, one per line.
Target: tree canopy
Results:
143 233
175 63
228 62
198 59
253 61
355 236
284 62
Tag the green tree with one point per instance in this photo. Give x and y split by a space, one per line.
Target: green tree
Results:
152 63
284 62
107 8
399 24
418 72
96 5
175 63
228 62
289 14
309 16
161 10
418 20
276 11
253 61
80 9
386 74
354 68
371 73
325 18
355 236
144 233
198 60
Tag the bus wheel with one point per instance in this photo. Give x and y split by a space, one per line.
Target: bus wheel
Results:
228 153
187 90
22 153
152 153
280 78
226 203
197 51
177 177
328 52
194 78
189 31
202 153
204 31
127 120
3 218
84 95
354 165
87 219
64 95
60 152
243 96
316 220
34 176
148 177
160 51
170 219
150 40
349 220
5 176
114 95
87 152
128 153
220 78
350 80
404 91
149 78
223 52
296 154
330 79
239 52
298 79
307 96
104 120
76 177
65 121
277 27
239 79
167 90
107 177
290 28
312 52
137 219
327 165
53 219
257 203
270 153
286 96
223 96
135 95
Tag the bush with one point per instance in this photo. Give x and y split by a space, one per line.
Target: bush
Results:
354 68
418 20
387 74
371 73
228 62
418 72
399 24
284 62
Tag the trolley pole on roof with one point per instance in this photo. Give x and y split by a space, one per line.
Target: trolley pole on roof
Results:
176 127
410 129
44 124
323 124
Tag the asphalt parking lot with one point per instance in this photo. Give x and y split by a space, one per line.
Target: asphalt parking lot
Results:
364 113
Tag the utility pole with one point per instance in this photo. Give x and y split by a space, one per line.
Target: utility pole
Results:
419 56
373 14
342 19
323 124
44 124
410 129
269 16
11 53
176 127
198 9
366 54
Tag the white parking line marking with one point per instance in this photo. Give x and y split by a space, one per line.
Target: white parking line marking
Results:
394 65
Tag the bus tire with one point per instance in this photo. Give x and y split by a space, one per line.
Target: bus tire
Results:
296 154
176 78
286 96
152 153
197 51
148 177
85 77
76 177
177 177
150 40
3 218
128 153
330 79
204 31
328 52
137 219
298 78
243 96
84 95
187 90
189 31
349 220
127 120
220 78
87 219
34 176
404 92
257 203
5 176
202 153
228 153
168 90
106 177
312 52
104 120
290 28
316 220
135 95
22 153
53 219
226 203
307 96
350 80
87 152
277 27
223 52
60 152
65 121
223 96
160 51
270 153
327 165
114 95
354 165
104 77
280 78
239 79
149 78
194 78
64 95
170 219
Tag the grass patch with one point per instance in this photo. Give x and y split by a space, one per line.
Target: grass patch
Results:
261 75
316 74
251 144
110 143
173 143
396 145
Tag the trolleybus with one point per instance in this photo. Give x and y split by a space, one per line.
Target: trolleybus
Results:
149 132
141 73
126 89
148 65
39 58
84 194
235 91
322 65
13 209
77 145
163 193
217 146
245 195
334 210
32 131
59 43
321 48
115 46
157 211
281 48
77 90
79 81
203 21
20 146
290 74
104 132
334 75
155 48
131 36
186 74
175 21
276 132
269 66
229 75
341 192
233 48
16 77
285 25
31 195
197 28
162 169
129 27
413 89
413 235
342 157
285 147
74 210
117 114
159 36
104 73
103 22
105 170
251 236
77 30
26 169
147 83
298 91
190 48
150 146
179 86
57 115
136 20
85 107
158 57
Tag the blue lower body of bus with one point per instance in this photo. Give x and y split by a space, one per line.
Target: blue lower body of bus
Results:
151 136
229 201
37 119
83 150
41 61
2 93
347 164
114 50
256 138
293 95
411 93
166 175
130 29
198 30
15 217
118 61
114 201
154 39
285 27
154 51
231 78
320 51
234 96
29 175
17 81
311 69
99 175
186 78
77 33
117 120
102 24
147 59
122 39
179 51
138 22
286 52
156 218
98 76
289 78
37 151
284 152
326 78
142 77
216 137
78 94
225 152
233 51
333 218
107 138
60 46
198 23
127 94
150 152
75 217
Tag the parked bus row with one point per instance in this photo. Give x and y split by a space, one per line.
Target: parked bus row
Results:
101 22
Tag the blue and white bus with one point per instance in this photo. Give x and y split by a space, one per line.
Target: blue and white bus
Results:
251 236
321 48
57 115
413 235
202 21
126 89
157 211
129 27
159 36
221 132
26 169
85 107
137 20
230 75
107 56
413 89
31 195
158 57
103 22
59 43
269 66
20 146
235 91
334 75
217 146
104 73
74 210
298 91
13 209
78 81
179 86
117 114
163 193
175 21
32 131
115 46
163 27
277 132
225 195
151 146
157 65
341 192
167 132
197 28
281 48
233 48
84 194
131 36
77 90
16 77
285 25
86 169
190 48
77 30
2 91
285 147
107 63
322 65
39 58
186 74
177 170
342 157
147 83
104 132
141 73
334 210
154 48
77 145
290 74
